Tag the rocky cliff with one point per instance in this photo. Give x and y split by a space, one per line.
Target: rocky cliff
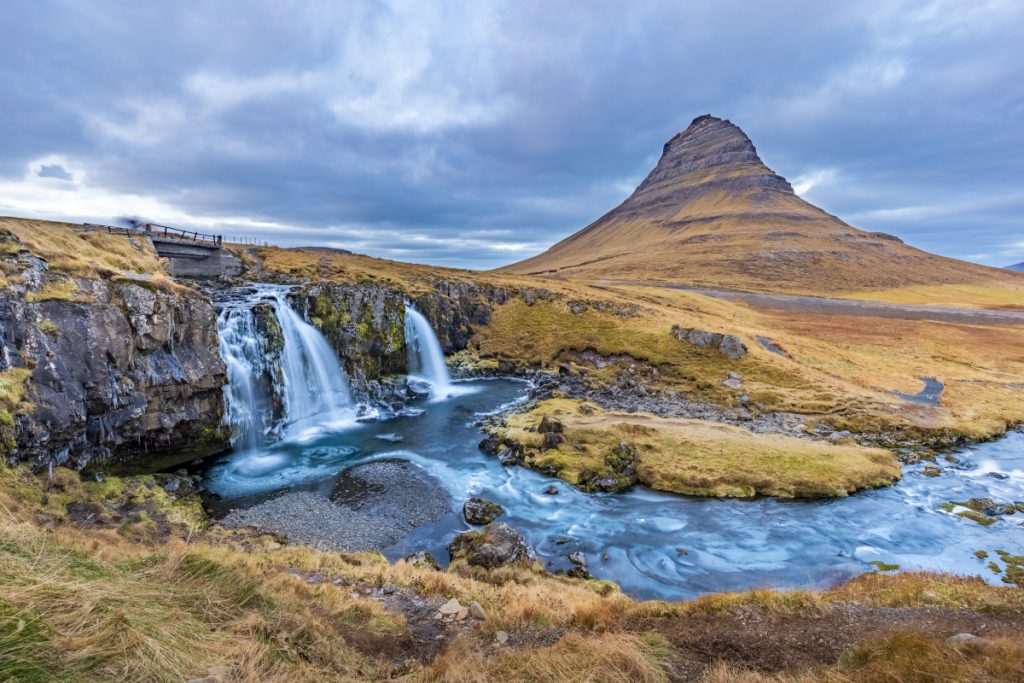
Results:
116 367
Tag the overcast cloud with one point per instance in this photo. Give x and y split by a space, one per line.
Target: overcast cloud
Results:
475 134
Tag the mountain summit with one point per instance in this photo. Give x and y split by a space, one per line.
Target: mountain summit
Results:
712 214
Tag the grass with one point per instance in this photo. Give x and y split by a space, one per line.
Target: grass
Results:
12 401
64 289
97 602
70 249
697 458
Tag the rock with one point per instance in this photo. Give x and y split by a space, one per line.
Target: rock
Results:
704 340
550 425
476 611
732 383
552 441
481 511
732 347
421 558
491 445
966 639
172 485
576 307
551 490
501 637
577 557
450 608
100 477
510 456
495 545
581 572
463 613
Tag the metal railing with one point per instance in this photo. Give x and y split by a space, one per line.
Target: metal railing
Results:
161 231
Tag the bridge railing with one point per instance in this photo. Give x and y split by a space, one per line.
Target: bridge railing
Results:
161 231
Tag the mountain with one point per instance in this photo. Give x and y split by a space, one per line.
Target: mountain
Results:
712 214
1019 267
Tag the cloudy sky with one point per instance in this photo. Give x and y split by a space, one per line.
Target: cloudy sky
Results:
477 133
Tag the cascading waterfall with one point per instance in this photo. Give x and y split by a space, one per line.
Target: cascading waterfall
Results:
304 375
426 360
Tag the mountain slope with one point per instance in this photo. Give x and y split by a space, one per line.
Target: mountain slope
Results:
712 214
1019 267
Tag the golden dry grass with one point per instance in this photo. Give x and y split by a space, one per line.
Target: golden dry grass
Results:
84 253
692 457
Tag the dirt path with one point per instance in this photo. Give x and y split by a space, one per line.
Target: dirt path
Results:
751 638
872 309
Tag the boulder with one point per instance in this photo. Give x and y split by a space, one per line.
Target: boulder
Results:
732 347
421 558
481 511
496 545
550 425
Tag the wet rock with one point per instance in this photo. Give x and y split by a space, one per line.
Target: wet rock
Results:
551 490
172 485
510 456
577 557
496 545
989 507
421 558
579 573
491 445
481 511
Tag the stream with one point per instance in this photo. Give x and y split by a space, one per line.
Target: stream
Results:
297 430
654 545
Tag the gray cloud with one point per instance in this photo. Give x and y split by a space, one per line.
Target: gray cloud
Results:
474 134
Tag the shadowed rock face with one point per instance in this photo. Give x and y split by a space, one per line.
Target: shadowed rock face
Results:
710 143
712 214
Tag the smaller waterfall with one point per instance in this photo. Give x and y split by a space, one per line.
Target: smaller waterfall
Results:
426 360
277 387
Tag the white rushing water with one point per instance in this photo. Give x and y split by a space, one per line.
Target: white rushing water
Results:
303 378
426 360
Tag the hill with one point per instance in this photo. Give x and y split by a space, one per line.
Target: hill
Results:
712 214
1018 267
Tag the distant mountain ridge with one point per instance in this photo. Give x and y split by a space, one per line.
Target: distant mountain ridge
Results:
1019 267
711 213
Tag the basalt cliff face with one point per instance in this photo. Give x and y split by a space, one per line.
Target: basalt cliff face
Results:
712 214
113 369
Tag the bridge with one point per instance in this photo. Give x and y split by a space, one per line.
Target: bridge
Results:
189 253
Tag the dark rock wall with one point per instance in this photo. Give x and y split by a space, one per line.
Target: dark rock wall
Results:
119 369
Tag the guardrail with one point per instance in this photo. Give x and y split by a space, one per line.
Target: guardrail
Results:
161 231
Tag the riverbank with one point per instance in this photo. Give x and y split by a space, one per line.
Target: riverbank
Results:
164 595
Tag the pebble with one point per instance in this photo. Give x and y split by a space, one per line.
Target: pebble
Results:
476 611
463 613
450 607
501 637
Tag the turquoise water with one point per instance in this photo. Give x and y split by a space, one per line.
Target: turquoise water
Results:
655 545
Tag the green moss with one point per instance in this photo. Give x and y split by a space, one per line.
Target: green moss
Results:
980 554
12 401
65 289
995 568
883 566
974 516
47 326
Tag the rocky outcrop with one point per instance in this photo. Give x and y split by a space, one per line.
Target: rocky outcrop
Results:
496 545
729 345
481 511
119 367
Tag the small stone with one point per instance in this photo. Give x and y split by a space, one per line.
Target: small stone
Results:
476 611
963 638
100 477
551 490
172 486
501 637
481 511
462 614
450 607
578 557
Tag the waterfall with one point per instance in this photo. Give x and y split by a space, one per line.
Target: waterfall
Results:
426 360
276 388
